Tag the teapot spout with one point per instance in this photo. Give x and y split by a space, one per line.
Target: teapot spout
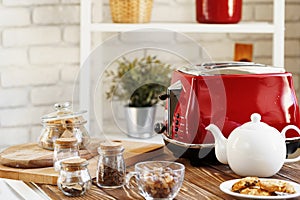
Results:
220 143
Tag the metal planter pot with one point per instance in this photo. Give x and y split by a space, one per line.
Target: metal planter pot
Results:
140 121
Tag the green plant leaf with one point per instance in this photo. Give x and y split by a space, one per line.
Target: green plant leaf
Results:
139 81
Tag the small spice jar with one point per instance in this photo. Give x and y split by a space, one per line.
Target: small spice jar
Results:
64 148
74 178
63 123
111 169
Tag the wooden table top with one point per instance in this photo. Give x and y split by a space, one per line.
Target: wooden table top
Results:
200 182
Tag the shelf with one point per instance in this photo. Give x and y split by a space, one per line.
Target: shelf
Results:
243 27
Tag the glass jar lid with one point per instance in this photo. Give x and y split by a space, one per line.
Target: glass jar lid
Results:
66 142
110 146
74 164
64 112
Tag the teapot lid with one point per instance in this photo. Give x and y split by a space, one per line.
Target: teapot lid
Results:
256 124
63 111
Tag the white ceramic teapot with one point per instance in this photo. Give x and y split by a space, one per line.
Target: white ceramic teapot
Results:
253 149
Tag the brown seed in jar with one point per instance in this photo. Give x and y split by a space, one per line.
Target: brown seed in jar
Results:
110 177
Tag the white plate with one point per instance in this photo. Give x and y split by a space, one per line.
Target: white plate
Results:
226 188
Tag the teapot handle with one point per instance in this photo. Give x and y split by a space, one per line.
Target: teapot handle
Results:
285 129
289 160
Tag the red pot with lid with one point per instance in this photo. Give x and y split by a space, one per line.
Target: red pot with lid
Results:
219 11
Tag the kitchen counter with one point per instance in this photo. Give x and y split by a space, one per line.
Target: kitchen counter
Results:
201 182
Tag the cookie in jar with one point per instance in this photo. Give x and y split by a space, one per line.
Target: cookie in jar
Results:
63 123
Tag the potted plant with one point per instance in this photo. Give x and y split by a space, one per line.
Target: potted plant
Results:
138 83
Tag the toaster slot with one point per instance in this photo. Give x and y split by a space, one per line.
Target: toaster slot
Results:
173 94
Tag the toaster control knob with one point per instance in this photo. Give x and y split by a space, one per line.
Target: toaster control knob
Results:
160 127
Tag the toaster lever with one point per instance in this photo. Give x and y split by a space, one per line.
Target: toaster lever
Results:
163 97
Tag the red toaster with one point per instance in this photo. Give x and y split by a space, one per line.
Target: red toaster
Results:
225 94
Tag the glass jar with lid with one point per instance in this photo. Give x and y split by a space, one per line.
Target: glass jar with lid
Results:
63 123
64 148
74 178
111 169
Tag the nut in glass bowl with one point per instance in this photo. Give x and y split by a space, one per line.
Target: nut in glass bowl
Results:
158 179
63 123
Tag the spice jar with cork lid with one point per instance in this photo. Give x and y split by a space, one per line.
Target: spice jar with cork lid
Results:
74 178
64 148
111 169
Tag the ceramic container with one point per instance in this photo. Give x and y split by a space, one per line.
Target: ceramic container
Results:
219 11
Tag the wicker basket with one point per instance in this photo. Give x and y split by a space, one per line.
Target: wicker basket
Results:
131 11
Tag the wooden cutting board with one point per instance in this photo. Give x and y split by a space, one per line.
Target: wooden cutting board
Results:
134 152
32 156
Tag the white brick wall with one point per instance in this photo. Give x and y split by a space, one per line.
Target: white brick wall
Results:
14 136
39 52
28 2
70 1
54 54
71 34
69 73
29 76
13 56
14 16
56 15
23 116
48 95
31 36
14 97
260 13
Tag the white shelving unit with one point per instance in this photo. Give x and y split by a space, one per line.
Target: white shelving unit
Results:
276 29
